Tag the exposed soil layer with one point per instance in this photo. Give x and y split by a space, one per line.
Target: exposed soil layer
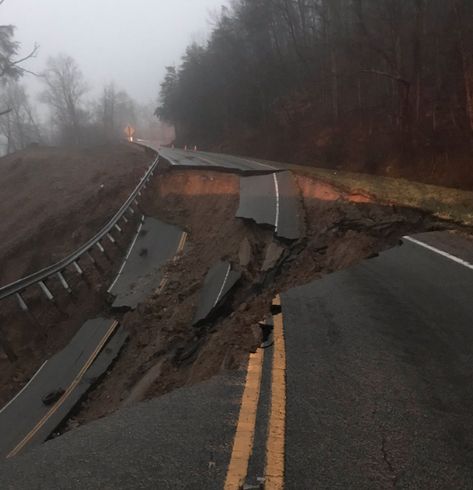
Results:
164 351
53 200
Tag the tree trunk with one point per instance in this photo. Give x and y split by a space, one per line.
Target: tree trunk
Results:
467 70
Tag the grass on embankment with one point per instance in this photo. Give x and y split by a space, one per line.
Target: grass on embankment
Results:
443 202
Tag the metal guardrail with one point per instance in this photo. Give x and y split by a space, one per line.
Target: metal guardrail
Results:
39 278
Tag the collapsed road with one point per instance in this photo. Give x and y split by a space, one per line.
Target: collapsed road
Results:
339 346
154 244
31 416
352 333
272 200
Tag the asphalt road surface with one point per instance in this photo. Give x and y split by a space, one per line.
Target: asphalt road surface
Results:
182 440
380 375
214 161
156 242
27 421
217 284
369 384
273 200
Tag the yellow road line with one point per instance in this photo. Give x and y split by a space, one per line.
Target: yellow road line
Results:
162 284
244 436
275 445
66 394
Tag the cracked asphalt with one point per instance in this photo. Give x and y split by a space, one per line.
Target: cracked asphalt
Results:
380 375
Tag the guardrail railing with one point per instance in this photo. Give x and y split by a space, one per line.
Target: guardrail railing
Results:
39 278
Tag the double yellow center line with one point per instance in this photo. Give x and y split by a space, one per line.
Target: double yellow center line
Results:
244 435
20 446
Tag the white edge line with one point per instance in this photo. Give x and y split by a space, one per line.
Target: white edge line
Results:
24 388
440 252
276 188
223 285
127 256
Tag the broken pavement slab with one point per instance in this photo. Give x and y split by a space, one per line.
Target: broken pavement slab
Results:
27 420
272 200
218 282
274 253
157 242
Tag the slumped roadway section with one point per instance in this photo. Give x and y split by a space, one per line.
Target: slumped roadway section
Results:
27 421
156 242
218 282
272 200
380 375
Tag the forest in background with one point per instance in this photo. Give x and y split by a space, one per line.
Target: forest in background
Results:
378 86
72 117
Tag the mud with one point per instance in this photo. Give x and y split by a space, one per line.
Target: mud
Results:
164 351
53 200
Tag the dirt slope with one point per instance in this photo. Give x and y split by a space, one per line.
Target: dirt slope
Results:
164 350
52 200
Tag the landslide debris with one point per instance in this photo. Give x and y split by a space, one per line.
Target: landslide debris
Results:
165 351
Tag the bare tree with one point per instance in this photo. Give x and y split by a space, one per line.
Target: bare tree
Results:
19 126
65 88
114 111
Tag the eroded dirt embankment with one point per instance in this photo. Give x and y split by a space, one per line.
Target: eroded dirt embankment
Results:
53 200
164 351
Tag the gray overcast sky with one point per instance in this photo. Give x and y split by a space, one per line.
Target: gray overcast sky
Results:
128 41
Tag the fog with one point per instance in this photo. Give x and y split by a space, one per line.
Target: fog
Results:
129 42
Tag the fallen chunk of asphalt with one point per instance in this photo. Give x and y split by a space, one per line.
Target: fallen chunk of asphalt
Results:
273 254
267 328
48 387
220 279
52 397
141 274
272 200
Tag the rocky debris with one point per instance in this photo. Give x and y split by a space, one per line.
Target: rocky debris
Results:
273 255
245 253
161 333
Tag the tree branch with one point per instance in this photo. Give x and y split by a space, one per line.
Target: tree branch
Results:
15 63
385 74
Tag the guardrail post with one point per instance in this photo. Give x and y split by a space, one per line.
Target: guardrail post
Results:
22 302
78 268
102 250
17 288
46 291
63 281
25 308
